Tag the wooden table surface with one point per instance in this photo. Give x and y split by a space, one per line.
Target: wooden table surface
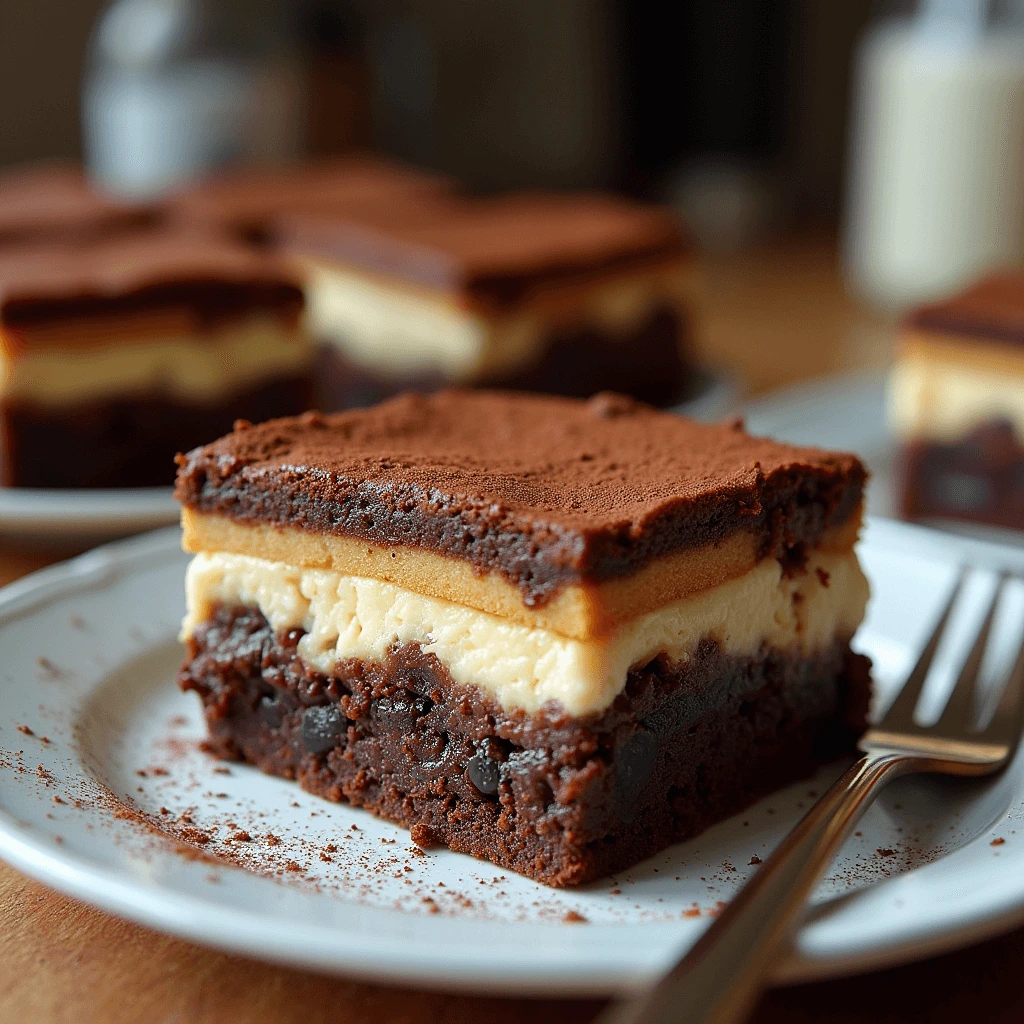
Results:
772 317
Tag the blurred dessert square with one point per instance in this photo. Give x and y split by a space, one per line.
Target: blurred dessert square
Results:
956 403
54 201
561 293
115 354
246 201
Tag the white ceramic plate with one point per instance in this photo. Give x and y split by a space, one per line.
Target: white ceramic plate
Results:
56 515
119 806
95 515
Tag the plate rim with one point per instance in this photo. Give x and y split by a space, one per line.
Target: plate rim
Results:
25 847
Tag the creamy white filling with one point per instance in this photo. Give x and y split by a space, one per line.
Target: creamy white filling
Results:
523 667
406 331
938 400
189 368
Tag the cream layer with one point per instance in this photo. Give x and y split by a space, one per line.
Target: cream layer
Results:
191 368
942 387
581 610
405 330
522 667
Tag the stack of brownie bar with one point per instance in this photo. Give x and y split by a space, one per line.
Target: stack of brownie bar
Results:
247 202
956 403
53 201
120 351
412 285
556 634
565 294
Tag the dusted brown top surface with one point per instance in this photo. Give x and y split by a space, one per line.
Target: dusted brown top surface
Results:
50 282
993 308
54 201
496 247
247 200
546 491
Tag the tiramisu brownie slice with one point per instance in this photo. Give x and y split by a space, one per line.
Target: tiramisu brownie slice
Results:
557 293
54 201
956 403
247 201
118 353
556 634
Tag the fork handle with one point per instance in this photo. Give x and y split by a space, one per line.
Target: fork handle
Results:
718 981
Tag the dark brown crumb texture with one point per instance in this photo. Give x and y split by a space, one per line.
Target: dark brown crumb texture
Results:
545 491
558 799
129 442
978 478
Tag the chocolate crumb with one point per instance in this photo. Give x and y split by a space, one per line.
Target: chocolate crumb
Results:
292 866
26 730
572 917
754 860
49 669
242 837
998 841
272 840
423 836
431 906
885 853
692 912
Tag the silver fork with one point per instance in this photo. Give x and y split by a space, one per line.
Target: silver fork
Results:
721 977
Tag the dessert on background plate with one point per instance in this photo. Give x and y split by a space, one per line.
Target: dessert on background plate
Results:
559 635
956 405
559 293
54 201
117 353
245 202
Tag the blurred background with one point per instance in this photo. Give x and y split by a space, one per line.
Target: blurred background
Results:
834 165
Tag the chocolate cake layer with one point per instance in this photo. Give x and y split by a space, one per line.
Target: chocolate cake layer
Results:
125 442
563 800
248 201
55 201
577 363
213 278
992 309
979 478
495 252
546 492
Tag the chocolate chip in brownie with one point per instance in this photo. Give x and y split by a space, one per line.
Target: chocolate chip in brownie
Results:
322 727
484 773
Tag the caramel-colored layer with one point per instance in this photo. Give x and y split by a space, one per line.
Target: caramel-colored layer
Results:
580 611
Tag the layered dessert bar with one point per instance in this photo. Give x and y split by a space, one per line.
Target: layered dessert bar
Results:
564 294
956 404
54 201
556 634
246 202
119 353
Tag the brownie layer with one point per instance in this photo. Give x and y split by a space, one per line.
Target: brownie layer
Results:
247 201
562 800
979 478
55 201
991 310
126 442
647 363
212 278
546 492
